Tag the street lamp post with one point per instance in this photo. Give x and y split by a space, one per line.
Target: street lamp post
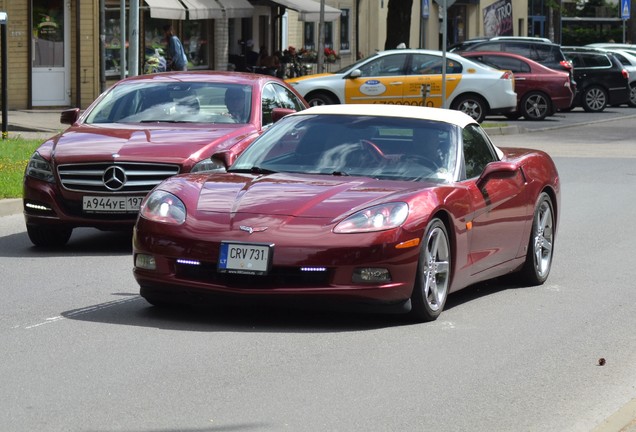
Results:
321 39
3 35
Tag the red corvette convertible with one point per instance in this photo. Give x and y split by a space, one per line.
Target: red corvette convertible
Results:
138 133
394 208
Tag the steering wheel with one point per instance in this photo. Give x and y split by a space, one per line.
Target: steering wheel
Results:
372 150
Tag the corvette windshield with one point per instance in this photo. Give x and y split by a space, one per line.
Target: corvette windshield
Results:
173 102
346 145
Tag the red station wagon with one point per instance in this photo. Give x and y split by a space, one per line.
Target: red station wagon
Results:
541 91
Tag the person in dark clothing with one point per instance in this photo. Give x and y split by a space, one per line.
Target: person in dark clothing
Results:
251 56
177 59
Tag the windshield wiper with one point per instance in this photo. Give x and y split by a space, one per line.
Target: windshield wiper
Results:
254 170
165 121
339 173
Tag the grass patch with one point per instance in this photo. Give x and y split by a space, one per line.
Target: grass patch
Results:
14 156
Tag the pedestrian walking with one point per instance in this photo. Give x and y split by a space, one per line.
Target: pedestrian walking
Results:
177 59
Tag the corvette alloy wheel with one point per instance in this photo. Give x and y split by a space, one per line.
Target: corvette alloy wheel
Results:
541 244
434 274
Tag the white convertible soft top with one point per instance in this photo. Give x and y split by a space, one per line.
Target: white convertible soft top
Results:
405 111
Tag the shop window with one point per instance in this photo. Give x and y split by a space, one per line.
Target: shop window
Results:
48 33
193 35
195 42
113 42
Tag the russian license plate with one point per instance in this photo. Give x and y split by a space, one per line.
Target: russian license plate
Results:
103 204
244 258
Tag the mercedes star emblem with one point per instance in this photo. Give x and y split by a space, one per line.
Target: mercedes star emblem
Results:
114 178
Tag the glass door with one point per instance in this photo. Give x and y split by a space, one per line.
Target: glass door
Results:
50 53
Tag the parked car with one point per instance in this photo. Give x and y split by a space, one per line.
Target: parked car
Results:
541 91
462 46
398 77
612 45
389 208
600 77
628 60
545 52
139 132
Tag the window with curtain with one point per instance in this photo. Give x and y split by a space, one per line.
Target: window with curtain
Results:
345 30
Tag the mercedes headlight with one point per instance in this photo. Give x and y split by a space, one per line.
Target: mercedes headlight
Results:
39 168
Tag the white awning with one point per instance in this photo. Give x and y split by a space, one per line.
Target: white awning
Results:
217 9
166 9
309 10
237 8
203 9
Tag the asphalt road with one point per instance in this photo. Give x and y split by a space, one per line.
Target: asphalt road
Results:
81 351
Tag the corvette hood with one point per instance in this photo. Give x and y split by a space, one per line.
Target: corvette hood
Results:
312 196
157 143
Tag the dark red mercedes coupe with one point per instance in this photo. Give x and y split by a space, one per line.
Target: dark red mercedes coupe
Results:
352 204
138 133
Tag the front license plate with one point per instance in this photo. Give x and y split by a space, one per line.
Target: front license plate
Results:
102 204
244 258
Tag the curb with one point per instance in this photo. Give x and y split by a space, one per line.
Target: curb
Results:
504 130
10 206
623 420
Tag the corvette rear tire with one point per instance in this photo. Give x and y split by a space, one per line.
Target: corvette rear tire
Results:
433 274
49 236
541 244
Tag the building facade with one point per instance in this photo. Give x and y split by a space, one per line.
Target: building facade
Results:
66 52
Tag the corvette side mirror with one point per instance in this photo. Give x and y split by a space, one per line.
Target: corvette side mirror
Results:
501 169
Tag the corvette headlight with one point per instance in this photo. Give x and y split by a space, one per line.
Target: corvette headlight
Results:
208 165
164 207
377 218
39 168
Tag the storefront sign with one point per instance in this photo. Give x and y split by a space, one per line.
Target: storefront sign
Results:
498 19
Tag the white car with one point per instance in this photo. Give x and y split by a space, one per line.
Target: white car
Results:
628 60
403 76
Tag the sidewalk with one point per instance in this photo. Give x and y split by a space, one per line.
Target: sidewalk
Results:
34 124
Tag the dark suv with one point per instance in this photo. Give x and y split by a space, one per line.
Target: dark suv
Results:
540 50
601 79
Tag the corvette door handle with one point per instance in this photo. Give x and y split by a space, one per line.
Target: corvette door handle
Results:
519 79
396 83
